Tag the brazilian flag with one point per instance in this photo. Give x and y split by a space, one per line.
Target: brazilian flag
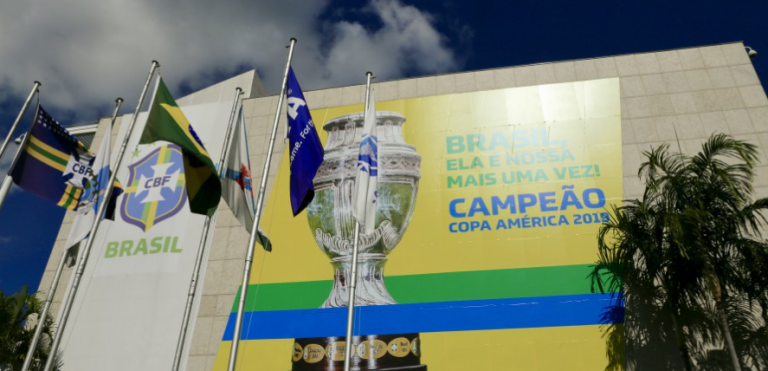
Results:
167 122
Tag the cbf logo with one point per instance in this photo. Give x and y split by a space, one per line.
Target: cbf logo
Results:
155 189
78 171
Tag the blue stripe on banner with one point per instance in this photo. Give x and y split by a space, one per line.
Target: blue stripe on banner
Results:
548 311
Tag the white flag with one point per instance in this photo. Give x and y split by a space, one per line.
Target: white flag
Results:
236 183
236 188
86 212
365 193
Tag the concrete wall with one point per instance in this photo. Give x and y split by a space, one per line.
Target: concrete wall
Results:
672 96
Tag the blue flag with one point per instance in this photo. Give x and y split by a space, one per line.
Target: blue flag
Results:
57 166
305 148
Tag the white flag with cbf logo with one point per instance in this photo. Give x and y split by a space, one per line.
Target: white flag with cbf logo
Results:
365 194
94 194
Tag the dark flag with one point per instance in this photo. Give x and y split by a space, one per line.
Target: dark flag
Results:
306 151
57 166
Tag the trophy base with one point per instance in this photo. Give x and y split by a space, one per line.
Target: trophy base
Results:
404 368
397 352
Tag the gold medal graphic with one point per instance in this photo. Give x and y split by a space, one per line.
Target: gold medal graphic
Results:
399 347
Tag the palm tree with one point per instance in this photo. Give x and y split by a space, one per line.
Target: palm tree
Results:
16 334
634 263
748 333
687 249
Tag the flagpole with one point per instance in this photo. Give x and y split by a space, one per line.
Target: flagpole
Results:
55 283
35 89
8 179
41 318
201 248
355 248
257 218
94 228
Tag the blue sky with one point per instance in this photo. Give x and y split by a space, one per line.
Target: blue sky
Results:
86 54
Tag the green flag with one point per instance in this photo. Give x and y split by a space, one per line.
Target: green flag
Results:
167 122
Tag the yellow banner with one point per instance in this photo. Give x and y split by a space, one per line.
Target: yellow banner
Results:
488 200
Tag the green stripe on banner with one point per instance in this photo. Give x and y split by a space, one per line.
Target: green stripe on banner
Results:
437 287
285 296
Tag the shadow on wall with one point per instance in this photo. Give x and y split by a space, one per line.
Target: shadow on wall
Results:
647 340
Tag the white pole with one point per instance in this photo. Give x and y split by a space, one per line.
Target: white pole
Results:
94 228
201 248
257 219
35 89
41 318
52 290
6 187
355 248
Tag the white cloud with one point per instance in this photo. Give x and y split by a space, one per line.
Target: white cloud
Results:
407 41
87 52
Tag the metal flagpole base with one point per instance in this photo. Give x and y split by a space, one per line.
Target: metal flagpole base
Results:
394 352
